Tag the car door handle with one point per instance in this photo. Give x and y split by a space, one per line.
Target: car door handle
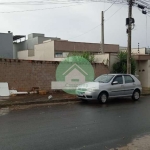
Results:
122 85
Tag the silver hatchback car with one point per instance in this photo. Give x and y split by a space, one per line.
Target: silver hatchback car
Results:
110 86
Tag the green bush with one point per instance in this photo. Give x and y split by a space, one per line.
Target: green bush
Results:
121 65
87 55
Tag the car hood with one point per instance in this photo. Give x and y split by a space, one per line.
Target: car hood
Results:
89 85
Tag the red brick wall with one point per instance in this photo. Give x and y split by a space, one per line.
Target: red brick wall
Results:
24 75
100 69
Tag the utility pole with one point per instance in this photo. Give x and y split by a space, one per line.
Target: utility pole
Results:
102 32
129 37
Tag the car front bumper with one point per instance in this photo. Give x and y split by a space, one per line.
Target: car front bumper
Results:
87 95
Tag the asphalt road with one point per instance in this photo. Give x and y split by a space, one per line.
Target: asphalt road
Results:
79 126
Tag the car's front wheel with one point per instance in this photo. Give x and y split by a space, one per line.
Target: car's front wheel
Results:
136 95
103 97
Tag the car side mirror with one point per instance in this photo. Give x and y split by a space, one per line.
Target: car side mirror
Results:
115 82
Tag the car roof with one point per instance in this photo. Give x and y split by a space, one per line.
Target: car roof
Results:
117 74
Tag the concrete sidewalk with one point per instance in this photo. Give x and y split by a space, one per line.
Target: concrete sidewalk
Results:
37 99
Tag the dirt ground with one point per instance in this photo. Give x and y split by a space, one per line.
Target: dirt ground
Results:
34 97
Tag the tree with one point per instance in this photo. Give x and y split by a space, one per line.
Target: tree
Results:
121 65
87 55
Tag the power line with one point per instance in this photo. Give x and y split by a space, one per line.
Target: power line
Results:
59 2
72 1
39 2
95 26
40 9
42 2
109 7
114 13
86 32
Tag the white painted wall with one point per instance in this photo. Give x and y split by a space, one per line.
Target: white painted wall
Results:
65 54
58 59
135 51
143 71
102 58
113 59
44 51
23 54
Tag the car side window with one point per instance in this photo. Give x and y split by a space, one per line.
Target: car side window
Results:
128 79
119 79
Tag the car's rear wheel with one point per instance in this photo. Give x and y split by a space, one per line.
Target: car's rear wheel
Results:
136 95
103 97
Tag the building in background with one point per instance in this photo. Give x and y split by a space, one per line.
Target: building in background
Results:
143 69
142 58
29 43
6 45
136 50
55 49
39 47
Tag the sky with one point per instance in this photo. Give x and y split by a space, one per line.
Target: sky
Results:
76 22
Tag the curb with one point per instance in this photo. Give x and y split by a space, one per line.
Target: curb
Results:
49 101
145 94
41 102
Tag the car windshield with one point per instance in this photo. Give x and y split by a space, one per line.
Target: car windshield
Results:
104 78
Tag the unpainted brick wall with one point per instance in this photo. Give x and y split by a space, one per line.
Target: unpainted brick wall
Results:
24 75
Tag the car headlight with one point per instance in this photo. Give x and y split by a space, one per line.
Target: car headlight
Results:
92 89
